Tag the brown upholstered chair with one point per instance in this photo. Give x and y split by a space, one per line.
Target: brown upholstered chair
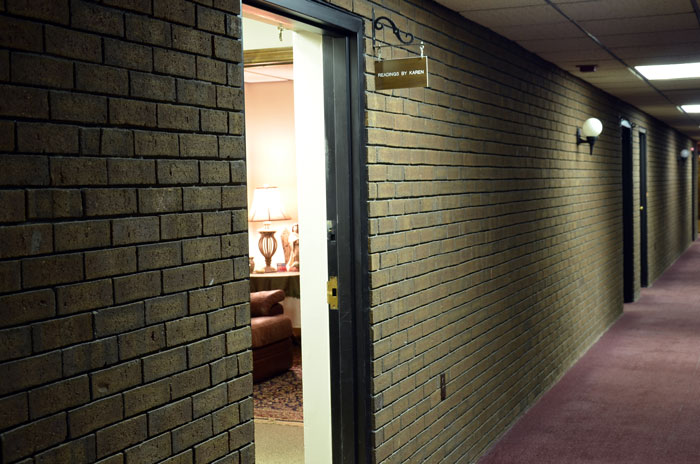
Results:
271 334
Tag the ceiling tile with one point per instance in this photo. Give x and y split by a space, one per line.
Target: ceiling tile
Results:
604 65
253 78
662 110
588 56
573 44
637 31
674 85
645 24
563 29
652 51
273 73
624 79
503 17
629 94
283 71
606 9
625 87
684 97
663 59
653 38
474 5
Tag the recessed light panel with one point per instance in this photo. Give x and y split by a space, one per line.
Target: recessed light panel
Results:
670 71
691 108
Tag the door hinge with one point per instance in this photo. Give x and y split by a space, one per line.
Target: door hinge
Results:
332 292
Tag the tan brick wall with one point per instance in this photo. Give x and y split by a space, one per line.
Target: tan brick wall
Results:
670 199
123 336
669 196
495 242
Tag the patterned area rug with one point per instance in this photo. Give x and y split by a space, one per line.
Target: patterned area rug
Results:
280 398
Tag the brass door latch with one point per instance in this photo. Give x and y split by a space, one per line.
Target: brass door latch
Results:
332 292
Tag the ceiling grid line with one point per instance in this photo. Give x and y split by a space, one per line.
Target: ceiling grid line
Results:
614 55
614 36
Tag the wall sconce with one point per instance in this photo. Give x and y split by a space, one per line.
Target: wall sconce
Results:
684 154
267 207
589 133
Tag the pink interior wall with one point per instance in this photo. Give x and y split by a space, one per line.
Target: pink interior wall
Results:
270 150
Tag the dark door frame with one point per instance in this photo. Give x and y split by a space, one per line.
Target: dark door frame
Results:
627 210
643 224
350 419
695 188
348 257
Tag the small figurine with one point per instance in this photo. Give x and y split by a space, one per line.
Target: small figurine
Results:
284 237
293 259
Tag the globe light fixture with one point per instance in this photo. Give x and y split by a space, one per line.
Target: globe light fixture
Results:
589 133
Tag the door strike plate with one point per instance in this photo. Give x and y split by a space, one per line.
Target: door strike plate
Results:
332 292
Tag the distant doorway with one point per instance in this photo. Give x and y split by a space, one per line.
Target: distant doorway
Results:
627 210
644 264
696 192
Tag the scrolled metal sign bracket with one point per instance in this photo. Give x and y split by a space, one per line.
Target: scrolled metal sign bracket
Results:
377 25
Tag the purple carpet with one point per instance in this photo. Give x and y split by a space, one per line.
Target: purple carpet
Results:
634 397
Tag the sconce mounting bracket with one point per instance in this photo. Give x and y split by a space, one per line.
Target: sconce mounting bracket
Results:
581 139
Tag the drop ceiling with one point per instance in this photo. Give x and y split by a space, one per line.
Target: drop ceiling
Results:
628 32
262 34
272 73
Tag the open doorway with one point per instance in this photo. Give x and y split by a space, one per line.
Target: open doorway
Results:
643 227
286 186
627 210
302 88
696 195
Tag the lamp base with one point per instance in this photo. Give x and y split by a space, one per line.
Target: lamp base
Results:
267 246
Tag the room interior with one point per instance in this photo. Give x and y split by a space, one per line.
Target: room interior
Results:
271 170
282 210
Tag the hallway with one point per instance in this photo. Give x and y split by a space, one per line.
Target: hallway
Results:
635 396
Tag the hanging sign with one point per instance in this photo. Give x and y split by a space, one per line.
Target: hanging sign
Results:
401 74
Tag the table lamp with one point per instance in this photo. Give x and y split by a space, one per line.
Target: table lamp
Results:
267 207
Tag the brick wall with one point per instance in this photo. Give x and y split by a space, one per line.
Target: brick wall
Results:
669 196
495 242
123 237
670 199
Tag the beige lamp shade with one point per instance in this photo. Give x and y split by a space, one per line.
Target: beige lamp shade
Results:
267 205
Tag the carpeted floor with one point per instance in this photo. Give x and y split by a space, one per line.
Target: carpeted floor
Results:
280 398
279 442
634 397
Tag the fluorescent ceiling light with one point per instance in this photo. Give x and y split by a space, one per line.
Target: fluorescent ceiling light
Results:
691 108
670 71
